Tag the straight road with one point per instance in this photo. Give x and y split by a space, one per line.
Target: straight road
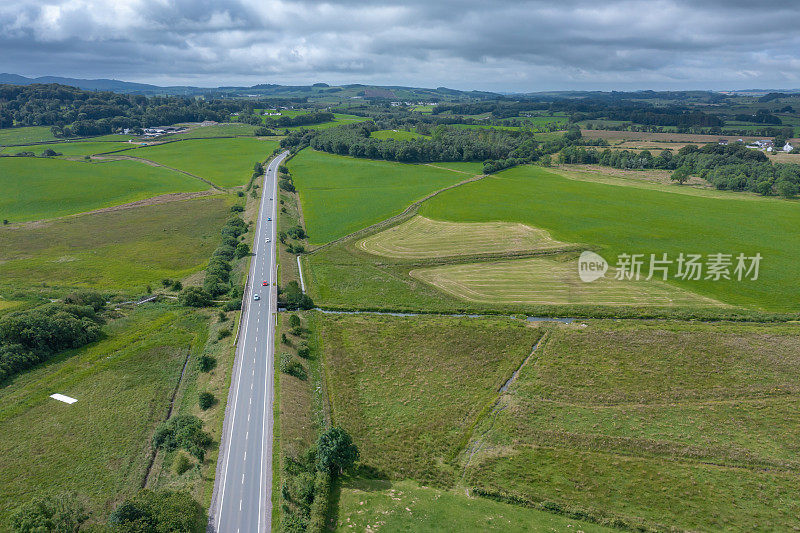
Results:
242 501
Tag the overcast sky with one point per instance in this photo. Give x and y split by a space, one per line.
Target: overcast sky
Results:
466 44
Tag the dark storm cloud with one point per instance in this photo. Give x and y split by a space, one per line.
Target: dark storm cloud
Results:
499 45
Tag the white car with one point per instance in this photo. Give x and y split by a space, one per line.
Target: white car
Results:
267 239
256 297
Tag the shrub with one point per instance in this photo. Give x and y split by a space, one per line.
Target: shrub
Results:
304 351
91 298
63 514
182 431
292 367
233 305
237 208
167 283
195 297
162 512
182 464
336 451
221 334
222 316
206 400
177 286
206 363
294 321
293 298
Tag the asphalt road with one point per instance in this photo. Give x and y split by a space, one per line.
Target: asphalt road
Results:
242 501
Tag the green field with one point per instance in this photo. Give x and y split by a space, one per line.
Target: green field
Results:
428 376
225 162
398 135
681 424
623 219
339 119
24 135
120 250
36 188
69 148
341 194
371 505
99 446
466 167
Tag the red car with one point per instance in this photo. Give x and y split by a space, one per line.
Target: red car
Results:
265 283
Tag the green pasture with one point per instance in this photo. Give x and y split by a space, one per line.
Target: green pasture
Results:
342 194
653 423
120 250
620 219
225 162
232 129
72 148
36 188
28 134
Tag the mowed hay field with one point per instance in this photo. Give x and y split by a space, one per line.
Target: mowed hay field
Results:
373 505
123 249
543 281
341 195
225 162
420 238
691 426
620 219
408 389
37 188
99 446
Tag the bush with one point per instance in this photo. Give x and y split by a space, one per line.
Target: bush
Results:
296 232
206 400
233 305
206 363
304 351
62 514
182 431
237 208
294 321
161 512
221 334
177 286
167 283
293 298
222 316
94 299
182 464
195 297
292 367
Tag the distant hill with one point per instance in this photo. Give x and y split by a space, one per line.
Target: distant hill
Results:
317 90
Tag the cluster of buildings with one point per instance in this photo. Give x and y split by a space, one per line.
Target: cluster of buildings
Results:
398 104
763 144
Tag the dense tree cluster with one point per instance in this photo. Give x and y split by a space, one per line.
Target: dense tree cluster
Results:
61 513
300 120
30 337
733 167
182 431
72 111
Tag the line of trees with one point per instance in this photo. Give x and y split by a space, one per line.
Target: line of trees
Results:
731 167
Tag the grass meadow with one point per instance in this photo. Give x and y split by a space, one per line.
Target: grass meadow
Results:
341 194
74 148
37 188
225 162
668 423
98 447
429 377
620 219
232 129
28 134
372 505
119 250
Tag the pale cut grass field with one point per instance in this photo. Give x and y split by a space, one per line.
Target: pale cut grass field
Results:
423 238
546 281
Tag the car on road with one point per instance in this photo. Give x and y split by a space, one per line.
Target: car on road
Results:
256 297
269 219
267 240
265 283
